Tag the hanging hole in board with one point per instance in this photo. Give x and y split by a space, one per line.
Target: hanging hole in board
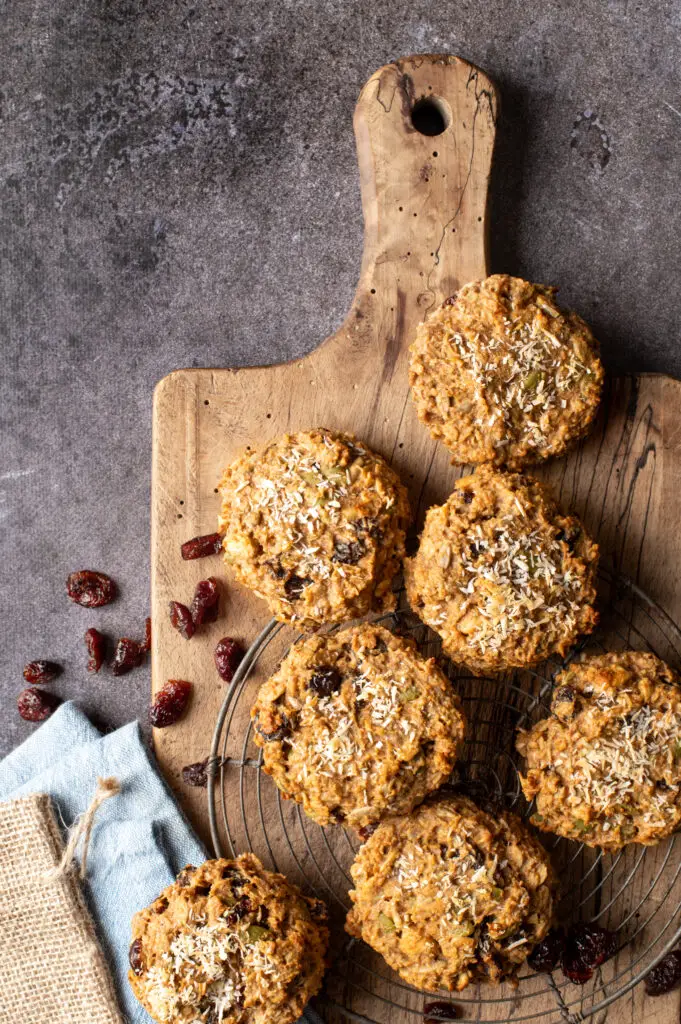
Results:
431 115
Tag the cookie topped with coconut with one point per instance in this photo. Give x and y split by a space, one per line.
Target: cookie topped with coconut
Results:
315 524
500 374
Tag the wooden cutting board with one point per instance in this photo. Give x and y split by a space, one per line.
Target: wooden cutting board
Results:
424 199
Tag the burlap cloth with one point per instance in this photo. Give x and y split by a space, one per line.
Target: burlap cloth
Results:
51 966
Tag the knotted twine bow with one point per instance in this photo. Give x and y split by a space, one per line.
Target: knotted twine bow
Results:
82 828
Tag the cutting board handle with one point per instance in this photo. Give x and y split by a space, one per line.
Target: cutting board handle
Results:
425 129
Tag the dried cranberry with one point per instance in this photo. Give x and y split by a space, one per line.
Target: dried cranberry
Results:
370 525
235 878
570 534
242 907
348 554
170 703
41 672
201 547
665 975
440 1011
90 589
228 654
36 705
325 681
185 876
295 585
127 656
181 619
135 957
318 910
366 831
146 646
586 947
95 643
547 953
197 774
277 734
205 604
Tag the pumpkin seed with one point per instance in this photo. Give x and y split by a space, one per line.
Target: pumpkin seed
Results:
532 380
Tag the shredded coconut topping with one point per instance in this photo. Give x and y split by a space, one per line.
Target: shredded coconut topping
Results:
521 377
464 883
624 764
204 969
341 746
519 583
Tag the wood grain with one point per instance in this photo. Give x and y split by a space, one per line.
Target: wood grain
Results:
424 201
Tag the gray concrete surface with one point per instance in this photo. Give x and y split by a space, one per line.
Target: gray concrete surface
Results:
178 188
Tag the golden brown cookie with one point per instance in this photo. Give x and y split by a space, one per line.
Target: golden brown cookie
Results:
605 767
356 725
315 525
452 894
502 575
501 375
228 943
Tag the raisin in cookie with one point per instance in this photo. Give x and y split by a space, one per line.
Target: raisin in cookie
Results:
605 767
228 943
452 894
502 575
501 375
315 524
356 725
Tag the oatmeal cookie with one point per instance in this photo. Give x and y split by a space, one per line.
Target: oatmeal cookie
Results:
228 943
605 767
356 725
501 375
315 525
502 575
452 894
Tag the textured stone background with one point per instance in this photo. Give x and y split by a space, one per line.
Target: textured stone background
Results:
178 188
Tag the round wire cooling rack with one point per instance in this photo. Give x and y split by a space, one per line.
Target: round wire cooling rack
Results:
636 892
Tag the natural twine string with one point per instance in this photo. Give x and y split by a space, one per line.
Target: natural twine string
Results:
82 828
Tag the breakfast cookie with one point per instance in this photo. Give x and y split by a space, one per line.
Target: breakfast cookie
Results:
502 575
500 375
356 725
228 943
452 894
605 767
315 524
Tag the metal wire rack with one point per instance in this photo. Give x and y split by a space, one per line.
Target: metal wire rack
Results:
636 892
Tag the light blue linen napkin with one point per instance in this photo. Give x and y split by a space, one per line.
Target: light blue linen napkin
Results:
140 839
